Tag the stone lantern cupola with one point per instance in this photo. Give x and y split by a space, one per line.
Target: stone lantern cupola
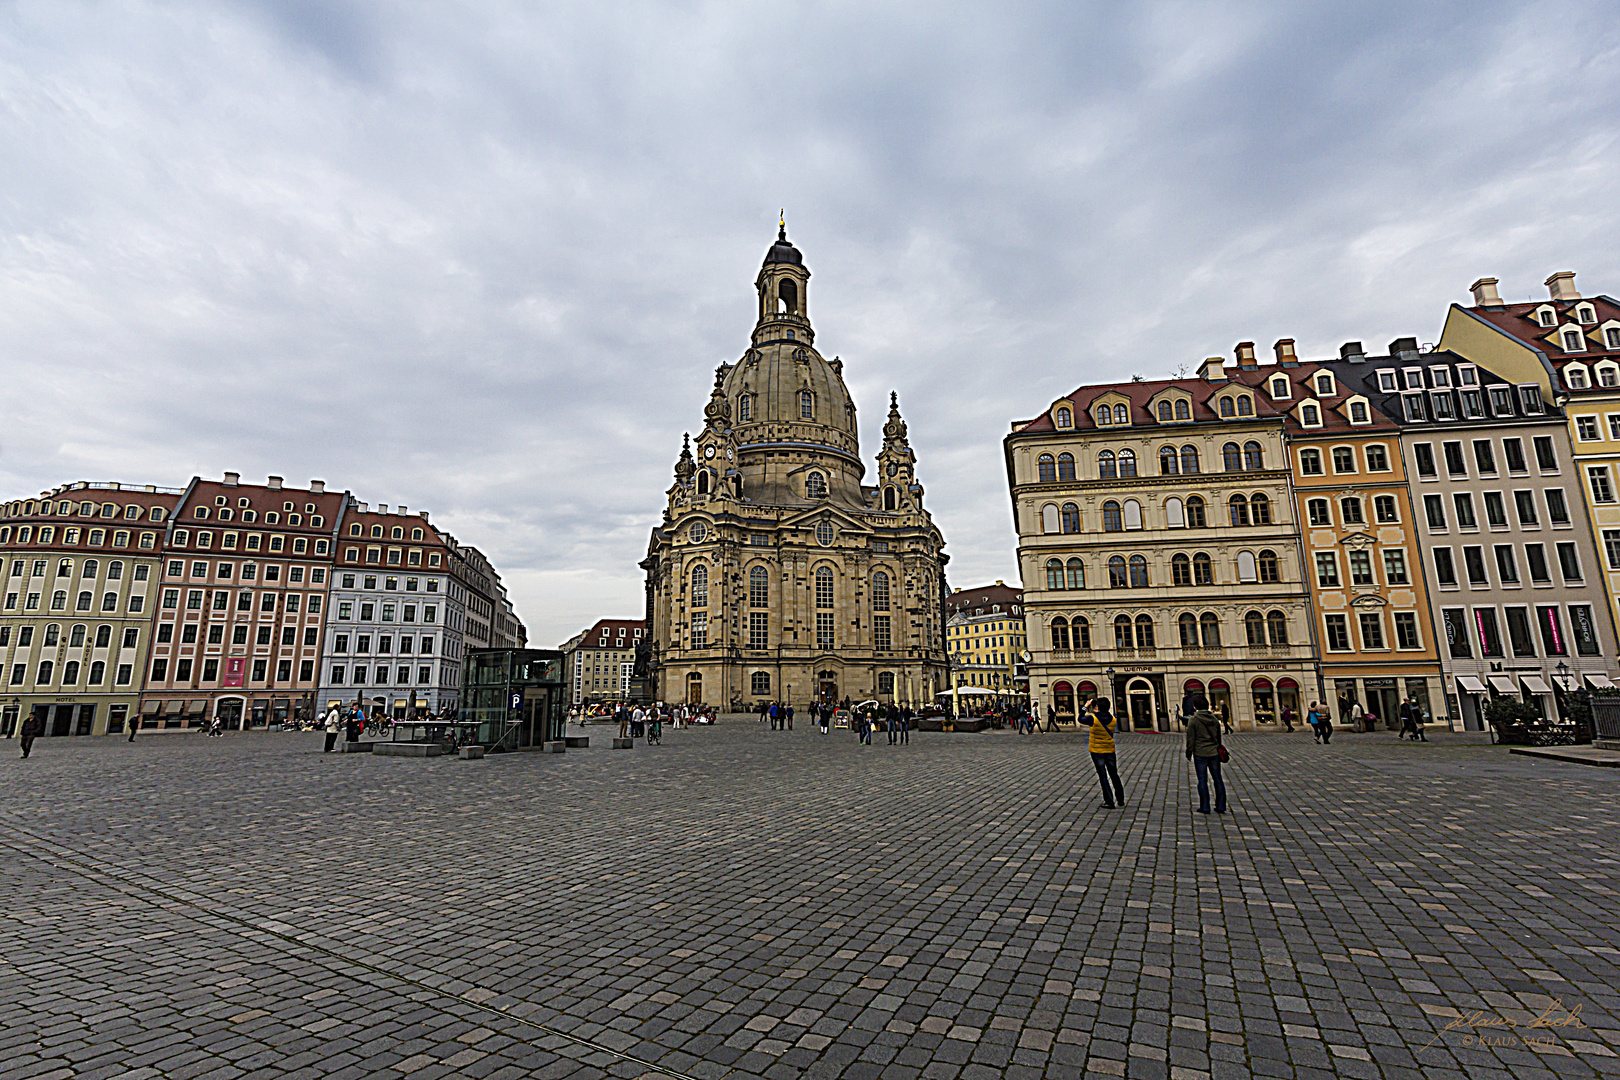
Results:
784 294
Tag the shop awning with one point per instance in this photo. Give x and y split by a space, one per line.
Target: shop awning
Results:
1566 683
198 707
150 707
1536 684
1502 683
1599 682
1470 684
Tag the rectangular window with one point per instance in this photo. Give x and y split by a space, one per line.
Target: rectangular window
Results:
1586 429
160 669
1361 568
1423 455
259 667
1327 570
424 674
1372 630
1569 564
1338 634
1484 460
1524 502
1474 560
210 670
758 629
700 629
306 670
1495 510
1317 510
1434 508
194 600
1597 476
1501 401
824 630
338 672
1465 510
1614 426
1546 460
1557 508
1395 567
1455 464
182 669
1445 571
1520 639
1611 546
1351 511
1506 568
1490 638
1530 399
1552 631
1406 631
1584 629
171 598
125 675
1535 557
1455 623
1473 406
1384 509
880 632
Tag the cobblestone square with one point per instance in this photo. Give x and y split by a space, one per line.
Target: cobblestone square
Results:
739 902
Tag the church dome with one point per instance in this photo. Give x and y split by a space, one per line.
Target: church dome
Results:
783 252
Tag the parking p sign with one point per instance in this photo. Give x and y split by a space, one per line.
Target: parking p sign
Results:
517 701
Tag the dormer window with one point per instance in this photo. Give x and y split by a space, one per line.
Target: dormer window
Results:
1227 408
1574 341
1324 385
1546 316
1585 314
1105 415
1184 411
1386 381
1608 376
1611 337
1164 410
1530 399
1575 377
1467 376
1358 413
1310 416
745 407
1245 406
1440 376
1414 378
1064 418
1279 388
1122 415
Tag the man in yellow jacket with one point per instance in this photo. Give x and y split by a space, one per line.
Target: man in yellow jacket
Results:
1100 714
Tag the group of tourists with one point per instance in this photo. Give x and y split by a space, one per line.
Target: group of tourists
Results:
895 720
1204 749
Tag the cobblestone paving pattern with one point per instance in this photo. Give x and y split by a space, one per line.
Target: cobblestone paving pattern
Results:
740 903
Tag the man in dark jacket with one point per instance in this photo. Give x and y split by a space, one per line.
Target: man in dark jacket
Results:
1411 720
1204 751
31 730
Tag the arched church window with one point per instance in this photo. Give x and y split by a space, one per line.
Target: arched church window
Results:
891 499
880 591
787 296
703 482
807 405
815 486
700 586
745 407
759 587
824 587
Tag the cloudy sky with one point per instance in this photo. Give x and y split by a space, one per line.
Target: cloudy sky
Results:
483 259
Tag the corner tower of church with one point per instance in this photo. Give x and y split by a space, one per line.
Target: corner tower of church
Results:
776 573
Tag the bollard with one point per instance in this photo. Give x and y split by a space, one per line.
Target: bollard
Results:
553 748
472 753
624 744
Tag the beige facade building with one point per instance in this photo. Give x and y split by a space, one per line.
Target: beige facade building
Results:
1160 552
78 585
599 662
776 572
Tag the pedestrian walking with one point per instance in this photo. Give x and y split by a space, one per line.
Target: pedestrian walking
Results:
1204 750
334 724
1288 718
134 726
1226 718
789 712
892 722
32 728
1313 717
1324 726
1358 717
905 726
1412 720
1100 716
1051 718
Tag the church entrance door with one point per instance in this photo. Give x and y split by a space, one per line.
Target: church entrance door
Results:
694 688
827 685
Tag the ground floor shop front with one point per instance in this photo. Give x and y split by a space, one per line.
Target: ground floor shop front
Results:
1156 697
1550 689
740 684
179 710
1379 692
67 714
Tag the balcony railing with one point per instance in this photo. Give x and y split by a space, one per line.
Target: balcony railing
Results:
1203 652
1263 651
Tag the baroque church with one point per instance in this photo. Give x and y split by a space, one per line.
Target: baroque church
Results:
776 574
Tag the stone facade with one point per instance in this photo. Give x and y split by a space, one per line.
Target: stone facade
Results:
776 574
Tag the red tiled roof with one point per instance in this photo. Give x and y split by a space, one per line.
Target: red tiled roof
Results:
262 499
1335 409
1139 394
367 518
982 596
611 627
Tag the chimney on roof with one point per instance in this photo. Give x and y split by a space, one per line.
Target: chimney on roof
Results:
274 483
1404 348
1353 352
1485 294
113 486
364 509
150 487
1212 370
1284 348
402 510
382 508
1245 354
317 487
232 479
424 515
1561 286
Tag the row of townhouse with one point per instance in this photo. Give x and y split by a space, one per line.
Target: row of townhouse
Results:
253 603
1434 523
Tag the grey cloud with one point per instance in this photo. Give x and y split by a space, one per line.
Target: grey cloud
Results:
484 259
